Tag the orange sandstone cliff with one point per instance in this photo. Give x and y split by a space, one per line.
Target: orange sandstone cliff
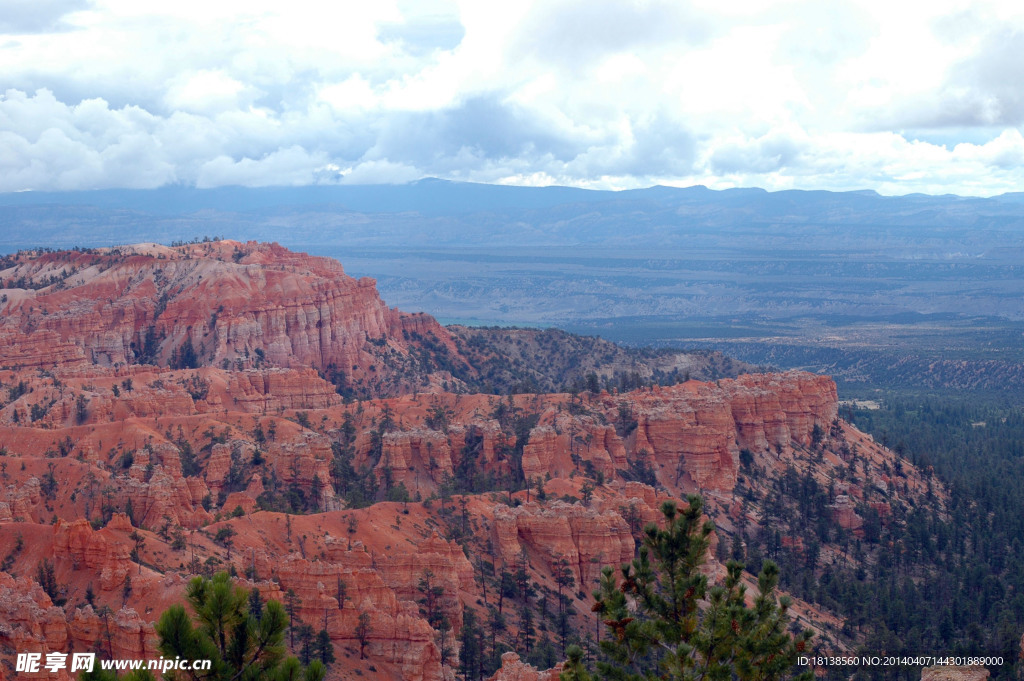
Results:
214 304
167 412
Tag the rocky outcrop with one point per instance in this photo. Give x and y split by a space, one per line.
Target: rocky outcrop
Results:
398 635
382 587
844 513
223 304
159 497
23 499
119 635
29 622
583 538
444 560
689 436
418 459
300 459
270 390
241 438
105 552
693 432
514 669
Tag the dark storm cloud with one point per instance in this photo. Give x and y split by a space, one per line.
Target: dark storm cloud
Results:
482 127
767 154
663 146
993 81
985 89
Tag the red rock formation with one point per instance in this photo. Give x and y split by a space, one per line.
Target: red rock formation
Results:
134 447
845 515
29 622
131 637
221 304
256 426
585 538
689 435
694 431
443 559
269 390
513 669
399 635
104 551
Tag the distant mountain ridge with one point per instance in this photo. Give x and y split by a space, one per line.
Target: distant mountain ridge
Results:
431 195
440 213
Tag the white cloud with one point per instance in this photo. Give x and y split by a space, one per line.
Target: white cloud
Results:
1005 152
352 94
290 166
208 92
47 144
791 93
380 172
36 16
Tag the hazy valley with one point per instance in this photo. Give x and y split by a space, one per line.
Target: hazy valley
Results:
916 291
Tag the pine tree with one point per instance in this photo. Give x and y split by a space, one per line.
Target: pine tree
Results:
565 580
240 645
430 597
496 624
469 651
574 669
443 644
47 578
306 636
363 633
341 593
291 606
126 590
430 607
324 648
526 628
255 604
543 655
656 630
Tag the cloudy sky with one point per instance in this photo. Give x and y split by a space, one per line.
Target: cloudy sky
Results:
888 95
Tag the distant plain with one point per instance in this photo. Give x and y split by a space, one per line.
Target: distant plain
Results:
904 292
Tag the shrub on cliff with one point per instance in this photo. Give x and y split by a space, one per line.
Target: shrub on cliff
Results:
242 642
657 631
